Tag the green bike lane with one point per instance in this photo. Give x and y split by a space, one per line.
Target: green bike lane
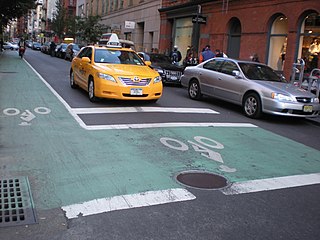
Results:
67 164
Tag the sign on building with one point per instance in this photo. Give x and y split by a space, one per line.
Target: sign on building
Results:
129 24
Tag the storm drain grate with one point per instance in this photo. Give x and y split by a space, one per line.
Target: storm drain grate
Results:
202 180
16 205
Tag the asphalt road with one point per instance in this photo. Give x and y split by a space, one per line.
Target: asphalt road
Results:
75 154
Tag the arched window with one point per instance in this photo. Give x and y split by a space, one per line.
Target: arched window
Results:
234 38
309 44
278 43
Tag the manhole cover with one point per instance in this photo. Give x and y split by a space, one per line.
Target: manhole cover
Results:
203 180
16 205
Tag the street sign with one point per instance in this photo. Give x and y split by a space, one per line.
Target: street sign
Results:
199 19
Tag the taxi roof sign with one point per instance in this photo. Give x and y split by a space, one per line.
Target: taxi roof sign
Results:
113 41
68 40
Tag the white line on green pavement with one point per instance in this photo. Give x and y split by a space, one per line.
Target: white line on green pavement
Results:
272 184
127 201
165 125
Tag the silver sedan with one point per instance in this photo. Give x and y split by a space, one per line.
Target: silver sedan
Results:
254 86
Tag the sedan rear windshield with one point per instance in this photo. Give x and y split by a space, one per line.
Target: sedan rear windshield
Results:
117 57
260 72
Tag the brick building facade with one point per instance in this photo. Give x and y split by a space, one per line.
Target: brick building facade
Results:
279 31
134 20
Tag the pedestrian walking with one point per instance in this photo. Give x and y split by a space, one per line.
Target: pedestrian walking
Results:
175 55
206 54
218 53
255 58
1 44
52 48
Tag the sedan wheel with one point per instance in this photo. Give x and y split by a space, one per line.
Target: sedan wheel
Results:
194 90
252 105
92 97
72 82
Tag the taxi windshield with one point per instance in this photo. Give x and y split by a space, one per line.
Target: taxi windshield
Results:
117 56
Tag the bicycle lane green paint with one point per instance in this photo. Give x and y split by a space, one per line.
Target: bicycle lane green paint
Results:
67 164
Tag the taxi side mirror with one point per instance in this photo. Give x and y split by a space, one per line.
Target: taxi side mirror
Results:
148 63
85 60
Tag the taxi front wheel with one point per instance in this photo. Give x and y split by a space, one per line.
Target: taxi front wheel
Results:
92 97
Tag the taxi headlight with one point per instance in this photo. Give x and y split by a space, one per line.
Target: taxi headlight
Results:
315 100
282 97
157 79
106 77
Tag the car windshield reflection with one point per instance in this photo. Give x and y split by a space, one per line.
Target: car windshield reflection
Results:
159 58
117 57
260 72
76 47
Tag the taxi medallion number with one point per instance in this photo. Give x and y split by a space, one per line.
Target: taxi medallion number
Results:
136 91
307 108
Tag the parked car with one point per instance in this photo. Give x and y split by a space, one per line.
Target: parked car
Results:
114 72
170 73
11 46
36 46
61 50
29 43
45 47
254 86
71 51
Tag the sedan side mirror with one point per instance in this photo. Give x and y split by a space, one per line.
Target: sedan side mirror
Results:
237 74
85 60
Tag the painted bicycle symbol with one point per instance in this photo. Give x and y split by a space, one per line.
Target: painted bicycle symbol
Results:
203 145
26 116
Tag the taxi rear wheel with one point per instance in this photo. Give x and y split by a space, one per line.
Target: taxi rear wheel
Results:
72 82
92 97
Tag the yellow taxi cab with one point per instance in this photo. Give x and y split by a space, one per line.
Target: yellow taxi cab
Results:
114 72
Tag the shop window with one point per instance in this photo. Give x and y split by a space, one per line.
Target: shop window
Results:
309 44
182 32
278 43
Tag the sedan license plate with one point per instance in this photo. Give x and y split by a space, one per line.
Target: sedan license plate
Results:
307 108
136 91
174 78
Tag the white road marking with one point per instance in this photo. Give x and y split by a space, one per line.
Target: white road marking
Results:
121 202
161 125
75 111
272 184
142 109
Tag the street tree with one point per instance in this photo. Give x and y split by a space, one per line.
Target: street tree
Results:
89 29
59 20
12 9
